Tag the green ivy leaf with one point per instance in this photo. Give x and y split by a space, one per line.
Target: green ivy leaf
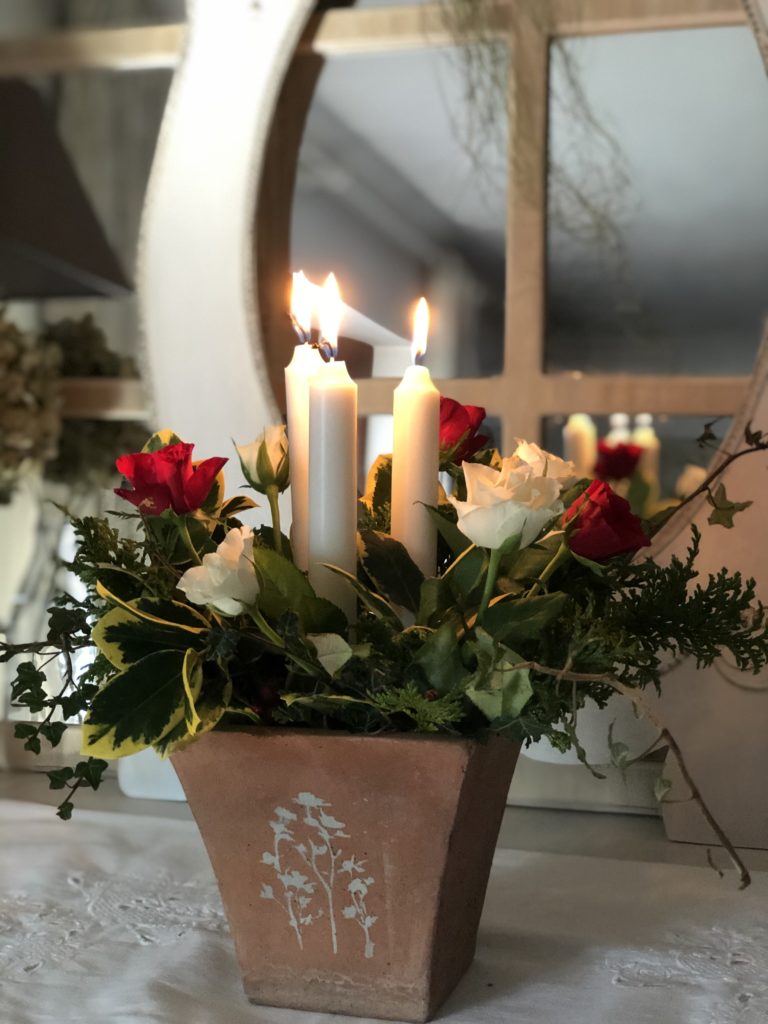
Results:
497 688
59 777
64 810
332 650
619 752
28 688
53 732
753 437
33 745
22 730
91 772
439 658
391 569
723 510
515 621
707 435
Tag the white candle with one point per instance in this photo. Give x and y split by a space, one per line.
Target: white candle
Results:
645 437
415 454
305 363
333 467
580 442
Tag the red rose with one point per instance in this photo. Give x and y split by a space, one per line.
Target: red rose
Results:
605 524
616 461
167 478
459 439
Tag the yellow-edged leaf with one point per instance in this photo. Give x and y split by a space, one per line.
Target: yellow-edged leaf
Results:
140 608
125 638
192 678
139 705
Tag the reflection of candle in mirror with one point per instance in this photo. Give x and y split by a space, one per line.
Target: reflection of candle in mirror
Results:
580 442
332 464
305 363
645 437
416 412
618 429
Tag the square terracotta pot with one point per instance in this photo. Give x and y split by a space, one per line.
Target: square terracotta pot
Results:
353 869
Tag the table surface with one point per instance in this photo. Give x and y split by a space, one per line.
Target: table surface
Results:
588 834
114 918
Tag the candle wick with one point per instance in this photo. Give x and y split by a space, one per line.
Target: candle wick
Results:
301 334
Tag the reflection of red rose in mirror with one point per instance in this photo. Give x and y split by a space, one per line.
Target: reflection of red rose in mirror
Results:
605 524
167 479
616 461
459 425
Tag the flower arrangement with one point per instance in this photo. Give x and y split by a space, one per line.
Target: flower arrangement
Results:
542 597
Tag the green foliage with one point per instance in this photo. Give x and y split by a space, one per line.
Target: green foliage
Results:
723 509
456 653
406 707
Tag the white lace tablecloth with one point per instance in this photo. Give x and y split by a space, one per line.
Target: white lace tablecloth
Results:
112 919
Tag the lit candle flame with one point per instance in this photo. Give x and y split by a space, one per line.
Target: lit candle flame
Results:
301 305
331 308
420 330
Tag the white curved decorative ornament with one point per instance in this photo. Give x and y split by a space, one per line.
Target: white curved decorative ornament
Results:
721 721
197 275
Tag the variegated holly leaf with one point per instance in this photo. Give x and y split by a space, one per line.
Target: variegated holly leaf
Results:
141 704
124 638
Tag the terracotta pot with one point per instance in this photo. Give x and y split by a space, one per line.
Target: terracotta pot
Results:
353 869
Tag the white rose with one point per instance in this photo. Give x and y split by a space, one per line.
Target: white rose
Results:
546 464
505 503
265 460
227 579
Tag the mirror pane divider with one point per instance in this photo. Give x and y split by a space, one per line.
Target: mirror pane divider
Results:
119 49
348 31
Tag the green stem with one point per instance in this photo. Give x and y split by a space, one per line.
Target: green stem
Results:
562 553
277 641
490 583
183 528
265 628
274 508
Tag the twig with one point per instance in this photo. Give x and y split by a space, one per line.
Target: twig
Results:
761 446
631 694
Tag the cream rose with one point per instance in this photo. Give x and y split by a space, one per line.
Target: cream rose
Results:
505 503
227 578
546 464
265 460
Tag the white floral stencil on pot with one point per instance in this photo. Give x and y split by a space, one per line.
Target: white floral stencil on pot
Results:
313 879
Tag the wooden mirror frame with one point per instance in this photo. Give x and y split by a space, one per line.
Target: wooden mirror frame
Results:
380 30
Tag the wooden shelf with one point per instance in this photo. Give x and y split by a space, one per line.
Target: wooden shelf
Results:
103 398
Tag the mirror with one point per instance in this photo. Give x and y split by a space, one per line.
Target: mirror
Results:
401 194
657 248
